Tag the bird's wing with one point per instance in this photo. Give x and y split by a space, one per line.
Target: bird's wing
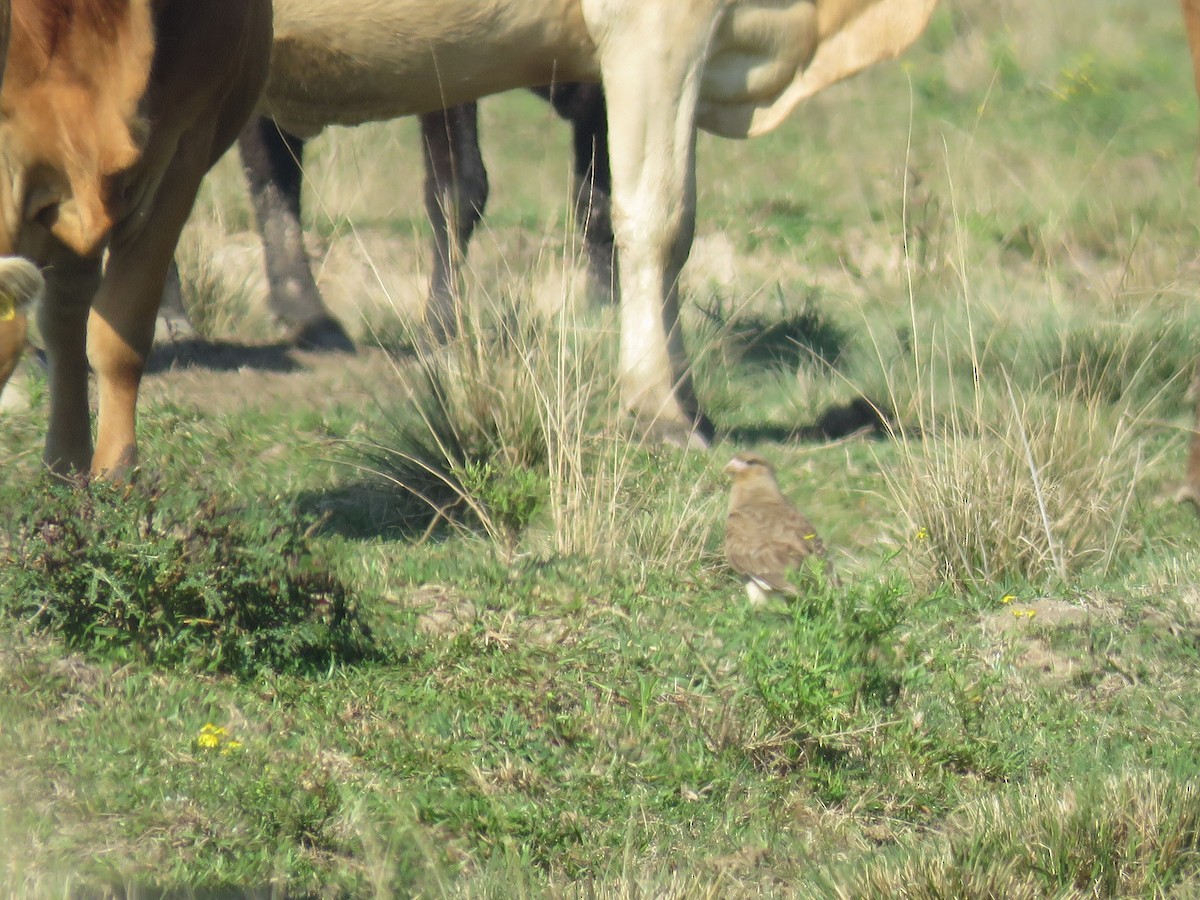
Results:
765 542
797 532
751 551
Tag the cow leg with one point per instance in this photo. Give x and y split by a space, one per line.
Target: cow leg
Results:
71 283
271 160
583 106
1191 21
652 94
1189 491
121 325
456 192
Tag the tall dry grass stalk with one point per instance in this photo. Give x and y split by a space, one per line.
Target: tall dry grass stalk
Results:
1006 474
217 305
1016 486
524 402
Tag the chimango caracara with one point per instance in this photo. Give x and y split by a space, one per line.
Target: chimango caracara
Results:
766 536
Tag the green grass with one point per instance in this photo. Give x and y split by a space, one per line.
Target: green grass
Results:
558 688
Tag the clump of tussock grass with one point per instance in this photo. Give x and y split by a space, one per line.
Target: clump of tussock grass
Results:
1140 361
620 503
935 878
1031 444
1133 834
512 429
1033 491
216 304
1019 477
469 432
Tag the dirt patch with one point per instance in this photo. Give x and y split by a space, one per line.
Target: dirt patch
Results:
1019 618
221 377
1026 626
442 611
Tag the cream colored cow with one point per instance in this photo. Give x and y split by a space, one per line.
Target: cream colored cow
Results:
732 67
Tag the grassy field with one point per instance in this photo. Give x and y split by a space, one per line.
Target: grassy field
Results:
268 669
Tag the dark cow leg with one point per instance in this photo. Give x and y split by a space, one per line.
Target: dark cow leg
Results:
272 163
583 106
456 191
63 314
1189 491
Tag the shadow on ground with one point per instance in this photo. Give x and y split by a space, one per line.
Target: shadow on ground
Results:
858 417
222 356
368 508
803 337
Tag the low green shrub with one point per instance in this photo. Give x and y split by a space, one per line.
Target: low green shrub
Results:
120 571
837 664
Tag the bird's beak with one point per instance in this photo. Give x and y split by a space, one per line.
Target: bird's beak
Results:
734 466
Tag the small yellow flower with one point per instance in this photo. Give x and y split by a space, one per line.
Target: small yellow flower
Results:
922 534
809 537
1007 598
213 736
231 747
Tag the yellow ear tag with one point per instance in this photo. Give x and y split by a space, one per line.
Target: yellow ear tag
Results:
8 307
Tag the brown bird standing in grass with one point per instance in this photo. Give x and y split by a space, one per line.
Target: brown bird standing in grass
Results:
766 537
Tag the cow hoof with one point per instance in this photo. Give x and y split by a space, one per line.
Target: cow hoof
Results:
324 335
697 435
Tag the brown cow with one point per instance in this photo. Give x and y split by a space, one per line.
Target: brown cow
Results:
1191 486
111 111
20 282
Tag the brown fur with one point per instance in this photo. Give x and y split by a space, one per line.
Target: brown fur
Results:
81 68
1191 21
45 23
1190 489
12 342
